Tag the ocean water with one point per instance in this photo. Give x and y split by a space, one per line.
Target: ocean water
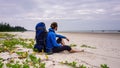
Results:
95 31
86 31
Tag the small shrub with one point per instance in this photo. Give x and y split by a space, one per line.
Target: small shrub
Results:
22 54
73 45
86 46
82 66
104 66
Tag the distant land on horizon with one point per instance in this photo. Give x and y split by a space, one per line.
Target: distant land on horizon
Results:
5 27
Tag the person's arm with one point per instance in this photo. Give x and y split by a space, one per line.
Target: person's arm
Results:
61 36
53 40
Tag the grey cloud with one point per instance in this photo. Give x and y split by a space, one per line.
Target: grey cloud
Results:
40 10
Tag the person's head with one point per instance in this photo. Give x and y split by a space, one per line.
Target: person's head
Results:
54 25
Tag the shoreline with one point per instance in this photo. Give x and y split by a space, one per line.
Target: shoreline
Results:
81 31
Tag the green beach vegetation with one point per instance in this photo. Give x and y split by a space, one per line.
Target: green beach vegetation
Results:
86 46
9 43
76 65
73 45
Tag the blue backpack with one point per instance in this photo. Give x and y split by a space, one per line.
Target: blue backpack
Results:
40 37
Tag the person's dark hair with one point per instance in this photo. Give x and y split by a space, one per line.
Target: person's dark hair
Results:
53 25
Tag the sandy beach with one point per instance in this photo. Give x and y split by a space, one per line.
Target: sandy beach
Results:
106 50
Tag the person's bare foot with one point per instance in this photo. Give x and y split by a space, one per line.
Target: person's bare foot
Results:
74 51
80 51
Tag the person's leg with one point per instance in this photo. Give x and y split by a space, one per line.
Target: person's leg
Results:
60 41
60 49
73 51
65 47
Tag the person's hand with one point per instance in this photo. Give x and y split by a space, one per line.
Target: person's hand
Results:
67 39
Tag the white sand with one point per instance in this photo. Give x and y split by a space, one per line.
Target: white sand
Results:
107 50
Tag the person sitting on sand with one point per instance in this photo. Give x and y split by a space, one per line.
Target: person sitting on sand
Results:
55 46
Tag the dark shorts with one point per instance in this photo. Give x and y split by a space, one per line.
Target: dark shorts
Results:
62 48
59 40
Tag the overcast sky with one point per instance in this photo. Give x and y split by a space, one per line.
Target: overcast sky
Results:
70 14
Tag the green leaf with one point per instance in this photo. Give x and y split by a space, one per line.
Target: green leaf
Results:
33 58
83 66
1 65
42 65
16 65
26 66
